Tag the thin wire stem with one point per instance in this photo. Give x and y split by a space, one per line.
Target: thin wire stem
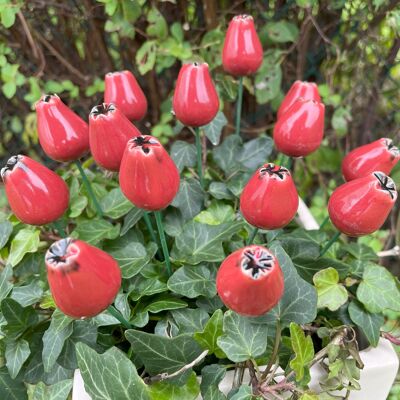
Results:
89 188
116 314
59 229
330 243
324 222
150 228
199 156
252 236
164 246
239 106
275 350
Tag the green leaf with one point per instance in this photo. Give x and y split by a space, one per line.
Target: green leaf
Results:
131 219
307 267
59 331
28 294
8 13
25 241
378 290
211 376
227 154
304 350
190 320
58 391
167 391
256 152
210 334
268 79
183 154
244 393
309 396
141 286
163 303
115 204
331 293
219 190
281 32
11 389
6 229
110 375
77 205
5 284
162 354
369 323
157 24
189 199
242 339
17 352
146 56
340 120
213 130
94 231
193 281
199 242
217 213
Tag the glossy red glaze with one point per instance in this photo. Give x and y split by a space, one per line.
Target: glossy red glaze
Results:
63 135
242 53
123 90
250 281
301 129
269 200
361 206
83 279
148 176
36 194
195 100
380 155
109 132
306 90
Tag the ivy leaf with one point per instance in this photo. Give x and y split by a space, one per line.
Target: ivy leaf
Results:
227 154
28 294
217 213
281 31
6 229
131 220
211 376
331 293
78 204
213 130
162 354
11 389
5 284
193 281
17 352
256 152
199 242
146 56
244 393
307 267
210 334
304 349
220 190
189 199
141 286
268 80
190 320
309 396
110 375
59 331
94 231
25 241
242 339
183 154
369 323
378 290
163 303
166 391
58 391
115 204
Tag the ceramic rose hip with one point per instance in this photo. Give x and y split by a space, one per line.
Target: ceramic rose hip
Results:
36 194
63 135
380 155
250 281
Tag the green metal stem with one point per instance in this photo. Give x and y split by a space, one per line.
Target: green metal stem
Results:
239 106
59 229
324 222
164 246
252 236
150 228
199 156
329 244
89 188
116 314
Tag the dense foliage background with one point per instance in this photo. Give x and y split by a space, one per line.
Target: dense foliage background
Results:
350 48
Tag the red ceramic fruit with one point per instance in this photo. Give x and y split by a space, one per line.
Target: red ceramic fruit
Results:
250 281
195 100
380 155
269 200
242 53
36 195
306 90
361 206
109 132
63 135
148 176
123 90
83 279
300 130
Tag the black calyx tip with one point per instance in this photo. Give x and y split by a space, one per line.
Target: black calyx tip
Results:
102 109
46 98
11 163
386 183
394 150
58 250
144 142
257 263
272 169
